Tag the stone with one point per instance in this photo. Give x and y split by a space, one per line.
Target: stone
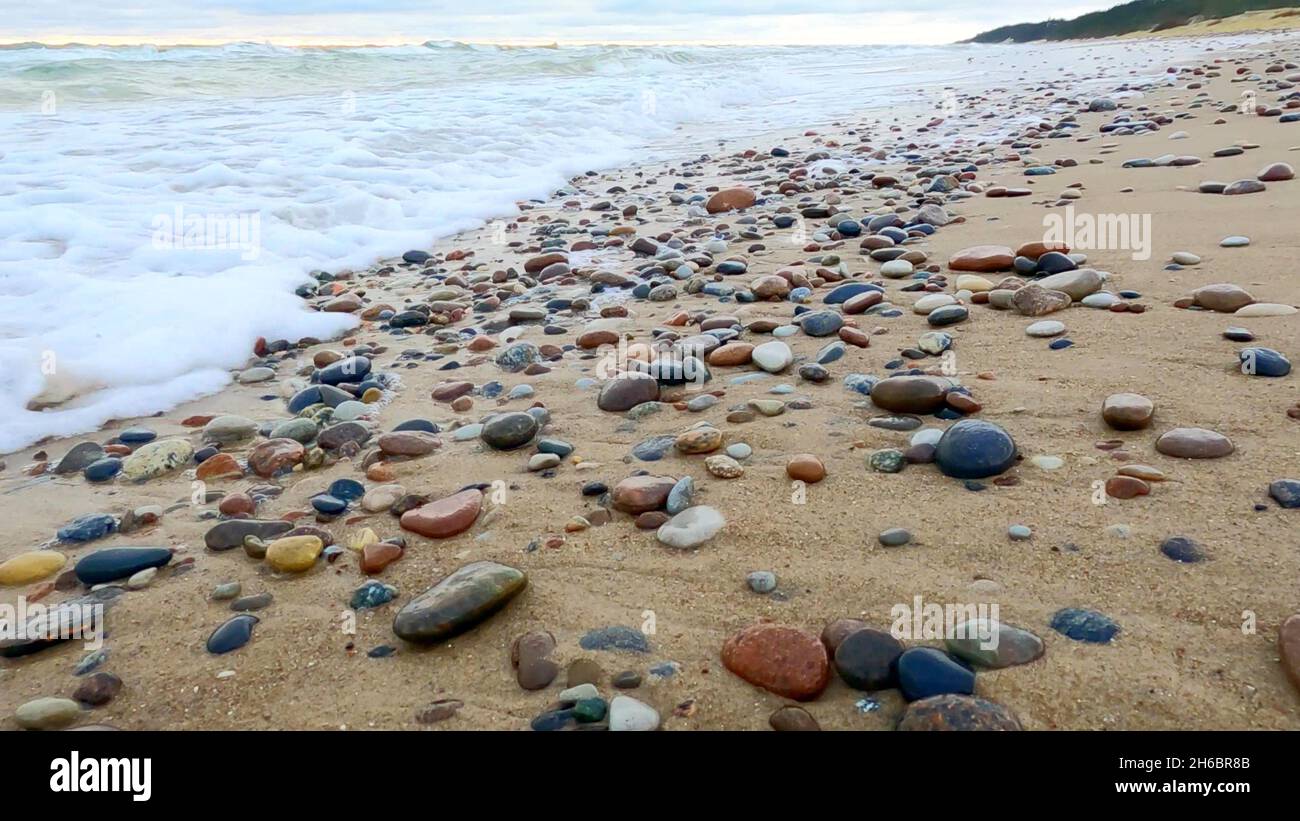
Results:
791 719
924 672
821 323
248 604
724 467
691 528
115 563
446 517
411 443
47 713
732 354
680 497
1222 297
87 528
378 555
1263 362
232 635
615 638
529 655
1078 283
974 449
867 659
761 581
805 467
1126 487
957 713
30 567
699 440
773 357
1257 309
1288 646
1047 328
230 535
910 394
155 459
1127 411
1182 549
1286 492
1276 172
626 392
459 602
990 644
508 431
1194 443
626 714
730 199
784 660
294 554
80 457
275 456
982 259
638 494
98 689
894 537
1084 625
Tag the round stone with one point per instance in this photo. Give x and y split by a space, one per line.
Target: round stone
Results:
957 713
975 449
805 467
294 554
924 672
30 567
867 659
508 431
691 528
1046 328
1194 443
1127 411
910 394
784 660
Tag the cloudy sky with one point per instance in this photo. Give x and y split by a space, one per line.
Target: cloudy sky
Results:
520 21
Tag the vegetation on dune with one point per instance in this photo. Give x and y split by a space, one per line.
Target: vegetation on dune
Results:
1139 15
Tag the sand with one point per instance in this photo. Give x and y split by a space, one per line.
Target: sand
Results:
1182 659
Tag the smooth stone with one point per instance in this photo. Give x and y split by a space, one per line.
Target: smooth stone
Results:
101 470
1019 533
156 458
773 357
626 714
910 394
761 581
1288 645
975 449
294 554
509 431
1194 443
230 535
1127 411
80 457
626 392
1286 492
87 528
459 602
691 528
790 719
30 567
1045 328
617 638
679 498
1259 309
115 563
98 689
232 635
639 494
47 713
1078 284
867 659
784 660
1263 362
894 537
1011 646
947 315
1222 297
248 604
924 672
229 429
445 517
1182 549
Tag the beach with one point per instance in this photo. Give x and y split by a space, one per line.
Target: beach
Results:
1197 622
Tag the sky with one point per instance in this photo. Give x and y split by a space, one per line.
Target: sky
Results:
386 22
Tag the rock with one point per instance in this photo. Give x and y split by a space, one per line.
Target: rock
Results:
805 467
1286 492
508 431
87 528
294 554
626 392
730 199
26 568
761 581
372 594
411 443
1078 283
627 714
1263 362
249 604
229 429
821 323
529 656
982 259
1127 411
155 459
47 713
378 555
1277 172
724 467
1126 487
115 563
615 638
232 635
1035 300
947 315
1266 309
791 719
142 579
894 537
1182 549
910 394
459 602
679 498
80 457
1005 646
924 672
275 456
1045 329
974 449
1288 646
446 517
957 713
98 689
773 357
1084 625
352 369
867 659
1223 297
638 494
699 440
438 711
691 528
1194 443
784 660
1244 187
230 535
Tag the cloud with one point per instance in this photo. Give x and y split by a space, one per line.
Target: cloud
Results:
413 21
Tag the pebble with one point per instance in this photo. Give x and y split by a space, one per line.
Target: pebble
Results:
615 638
232 635
628 714
773 357
98 689
924 672
446 517
867 659
1006 646
1182 549
1127 411
27 568
691 528
761 581
1194 443
895 537
784 660
789 719
1286 492
115 563
459 602
47 713
1084 625
975 449
957 713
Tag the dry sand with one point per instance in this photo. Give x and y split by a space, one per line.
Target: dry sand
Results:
1181 660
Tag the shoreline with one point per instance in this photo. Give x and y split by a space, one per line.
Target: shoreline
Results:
1181 659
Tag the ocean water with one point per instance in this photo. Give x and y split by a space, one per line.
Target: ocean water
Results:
159 205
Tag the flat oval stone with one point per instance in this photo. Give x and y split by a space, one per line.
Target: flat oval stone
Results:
773 357
459 602
508 431
974 449
784 660
639 494
26 568
1194 443
791 719
156 458
1084 625
910 394
1127 411
1288 645
47 713
993 645
1182 549
957 713
232 635
113 563
626 714
446 517
230 535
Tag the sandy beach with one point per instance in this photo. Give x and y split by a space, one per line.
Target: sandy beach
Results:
1197 643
